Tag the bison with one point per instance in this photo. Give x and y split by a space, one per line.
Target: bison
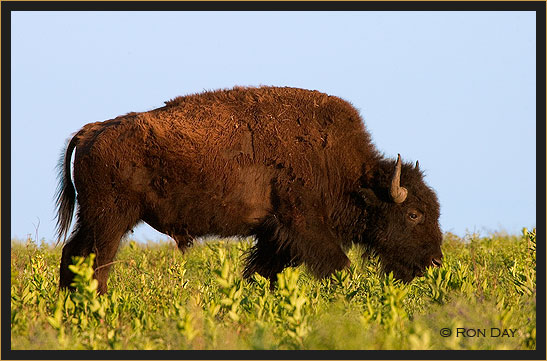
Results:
293 167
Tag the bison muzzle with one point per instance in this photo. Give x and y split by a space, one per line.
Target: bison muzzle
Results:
293 167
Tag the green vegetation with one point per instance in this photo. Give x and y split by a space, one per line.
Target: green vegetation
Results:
161 299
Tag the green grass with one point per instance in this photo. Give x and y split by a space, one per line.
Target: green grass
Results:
161 299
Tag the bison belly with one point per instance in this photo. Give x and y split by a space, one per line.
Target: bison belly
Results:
204 203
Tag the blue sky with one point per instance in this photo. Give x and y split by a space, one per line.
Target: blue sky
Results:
454 90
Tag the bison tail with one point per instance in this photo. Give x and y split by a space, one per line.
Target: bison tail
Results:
66 194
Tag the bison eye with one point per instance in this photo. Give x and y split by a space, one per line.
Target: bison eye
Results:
415 216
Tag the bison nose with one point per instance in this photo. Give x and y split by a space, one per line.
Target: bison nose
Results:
436 262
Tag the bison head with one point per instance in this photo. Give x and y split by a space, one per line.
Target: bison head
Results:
402 219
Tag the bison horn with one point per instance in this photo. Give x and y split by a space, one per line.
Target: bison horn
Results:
398 193
417 165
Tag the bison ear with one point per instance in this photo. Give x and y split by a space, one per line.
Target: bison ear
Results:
368 196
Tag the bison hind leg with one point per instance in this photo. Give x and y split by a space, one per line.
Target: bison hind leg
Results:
98 230
79 244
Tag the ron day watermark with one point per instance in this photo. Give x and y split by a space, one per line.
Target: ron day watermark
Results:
479 332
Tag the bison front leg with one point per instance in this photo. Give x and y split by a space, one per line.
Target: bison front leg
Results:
183 241
270 255
318 249
266 260
326 258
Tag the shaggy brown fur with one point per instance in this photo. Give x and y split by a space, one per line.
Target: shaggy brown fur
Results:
296 168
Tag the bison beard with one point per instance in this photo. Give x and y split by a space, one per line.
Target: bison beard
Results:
293 167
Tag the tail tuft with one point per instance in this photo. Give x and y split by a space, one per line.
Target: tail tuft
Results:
66 194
